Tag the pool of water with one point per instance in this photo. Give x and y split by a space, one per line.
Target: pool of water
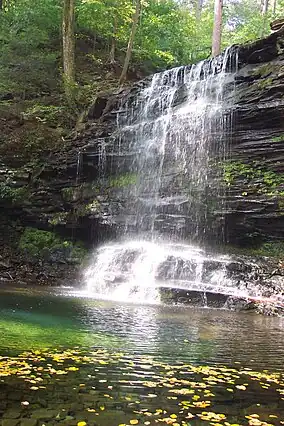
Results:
66 360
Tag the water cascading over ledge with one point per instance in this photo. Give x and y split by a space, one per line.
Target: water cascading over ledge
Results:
171 139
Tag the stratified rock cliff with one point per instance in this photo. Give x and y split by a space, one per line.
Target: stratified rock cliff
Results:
255 172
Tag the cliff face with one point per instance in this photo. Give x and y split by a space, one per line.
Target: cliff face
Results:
255 172
252 174
65 192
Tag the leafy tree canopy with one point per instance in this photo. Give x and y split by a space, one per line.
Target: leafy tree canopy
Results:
170 33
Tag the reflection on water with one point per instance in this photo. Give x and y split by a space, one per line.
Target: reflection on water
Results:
107 364
36 319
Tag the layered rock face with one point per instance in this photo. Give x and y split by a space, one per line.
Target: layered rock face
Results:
255 172
252 173
80 190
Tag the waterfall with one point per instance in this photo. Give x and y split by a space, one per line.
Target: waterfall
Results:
176 135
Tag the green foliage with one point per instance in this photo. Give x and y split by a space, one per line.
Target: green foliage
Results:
58 218
13 194
166 35
108 18
257 177
169 34
35 241
270 249
38 243
244 22
28 32
50 114
274 249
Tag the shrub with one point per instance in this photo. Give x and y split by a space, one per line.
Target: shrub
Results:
46 244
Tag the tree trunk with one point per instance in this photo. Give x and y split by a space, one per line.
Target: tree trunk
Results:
113 42
261 4
68 48
131 41
217 29
264 14
265 7
274 5
199 6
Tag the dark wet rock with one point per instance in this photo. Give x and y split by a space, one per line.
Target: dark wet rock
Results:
11 414
277 24
44 414
10 422
29 422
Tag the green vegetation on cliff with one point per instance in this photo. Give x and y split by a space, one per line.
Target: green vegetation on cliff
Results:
257 178
39 243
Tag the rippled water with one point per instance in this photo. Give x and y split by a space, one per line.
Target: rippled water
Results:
135 356
40 318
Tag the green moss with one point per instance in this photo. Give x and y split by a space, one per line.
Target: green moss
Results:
264 70
278 138
88 190
269 249
256 177
263 84
85 209
68 194
122 180
14 195
50 114
38 243
58 218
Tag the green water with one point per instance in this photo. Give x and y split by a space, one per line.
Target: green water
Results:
66 359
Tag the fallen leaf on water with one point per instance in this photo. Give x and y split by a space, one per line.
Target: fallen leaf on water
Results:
241 387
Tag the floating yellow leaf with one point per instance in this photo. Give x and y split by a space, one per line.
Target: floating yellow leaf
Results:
134 422
241 387
82 424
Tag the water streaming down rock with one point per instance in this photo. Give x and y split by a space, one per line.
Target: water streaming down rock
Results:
175 134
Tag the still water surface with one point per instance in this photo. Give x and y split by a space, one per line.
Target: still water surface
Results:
127 342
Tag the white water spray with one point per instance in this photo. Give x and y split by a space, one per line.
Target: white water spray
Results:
176 134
